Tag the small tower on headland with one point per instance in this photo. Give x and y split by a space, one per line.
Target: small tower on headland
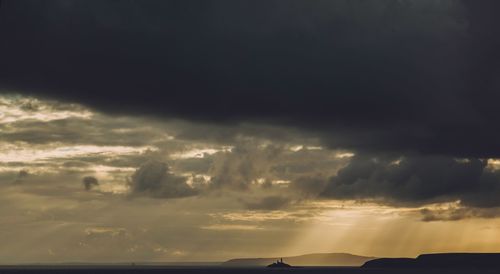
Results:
279 263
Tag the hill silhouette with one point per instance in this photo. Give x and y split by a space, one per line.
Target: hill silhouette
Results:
317 259
439 260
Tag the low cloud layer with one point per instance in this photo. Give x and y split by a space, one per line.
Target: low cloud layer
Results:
260 167
416 180
456 212
245 186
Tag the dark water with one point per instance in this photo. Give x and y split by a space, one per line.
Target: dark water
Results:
226 270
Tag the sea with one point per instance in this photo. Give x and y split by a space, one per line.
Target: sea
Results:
226 270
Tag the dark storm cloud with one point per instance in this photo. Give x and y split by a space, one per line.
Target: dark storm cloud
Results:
365 75
154 178
417 180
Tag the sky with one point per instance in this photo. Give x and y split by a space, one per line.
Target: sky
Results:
154 131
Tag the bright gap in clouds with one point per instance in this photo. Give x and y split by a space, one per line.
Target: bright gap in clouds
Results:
18 152
17 108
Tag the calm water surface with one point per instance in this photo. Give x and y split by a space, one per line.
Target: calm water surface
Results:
225 270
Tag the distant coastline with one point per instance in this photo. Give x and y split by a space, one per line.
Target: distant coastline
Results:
315 259
439 260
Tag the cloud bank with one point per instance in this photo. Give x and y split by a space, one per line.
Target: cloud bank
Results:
387 76
418 179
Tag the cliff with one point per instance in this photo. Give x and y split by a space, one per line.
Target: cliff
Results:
441 260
